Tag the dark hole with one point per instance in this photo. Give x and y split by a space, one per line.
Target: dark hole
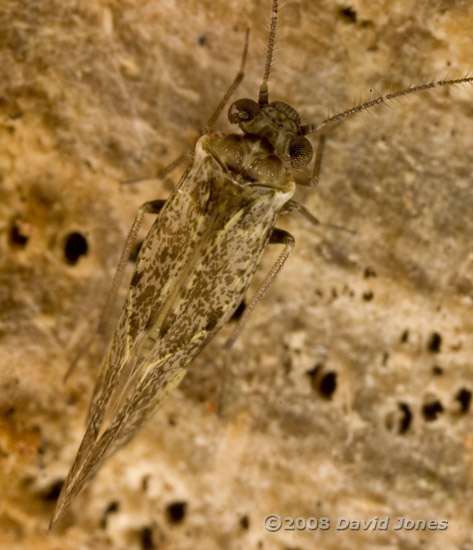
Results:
75 247
134 253
176 511
435 342
432 410
202 40
114 506
368 295
406 418
349 14
324 383
52 492
328 385
172 422
369 272
405 336
239 311
438 371
245 522
146 539
111 508
17 238
16 115
464 398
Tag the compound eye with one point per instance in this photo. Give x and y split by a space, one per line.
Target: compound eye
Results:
300 151
243 110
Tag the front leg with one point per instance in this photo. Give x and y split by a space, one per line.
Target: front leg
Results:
293 206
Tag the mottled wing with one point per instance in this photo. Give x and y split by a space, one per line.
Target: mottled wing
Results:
192 272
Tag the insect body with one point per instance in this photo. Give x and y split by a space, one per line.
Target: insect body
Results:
196 264
192 272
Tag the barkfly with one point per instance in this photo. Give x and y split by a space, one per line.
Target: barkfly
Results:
198 259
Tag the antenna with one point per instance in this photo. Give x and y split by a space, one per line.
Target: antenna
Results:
311 128
263 91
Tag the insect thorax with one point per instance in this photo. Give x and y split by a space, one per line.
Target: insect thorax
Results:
250 159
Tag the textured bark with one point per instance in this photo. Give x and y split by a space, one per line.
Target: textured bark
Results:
94 94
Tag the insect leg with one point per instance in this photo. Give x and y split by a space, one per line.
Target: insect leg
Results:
233 86
161 175
213 119
293 206
278 236
151 207
314 180
164 172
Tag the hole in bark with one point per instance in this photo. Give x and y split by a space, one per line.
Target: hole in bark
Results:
464 398
176 511
328 385
114 506
324 383
146 539
431 410
75 247
406 418
245 522
435 342
18 237
51 493
348 14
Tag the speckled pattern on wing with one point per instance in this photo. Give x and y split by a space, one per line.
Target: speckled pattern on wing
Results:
192 272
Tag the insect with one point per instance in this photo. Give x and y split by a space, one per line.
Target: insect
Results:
198 260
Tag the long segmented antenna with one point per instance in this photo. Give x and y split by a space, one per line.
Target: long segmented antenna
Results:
263 97
311 128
